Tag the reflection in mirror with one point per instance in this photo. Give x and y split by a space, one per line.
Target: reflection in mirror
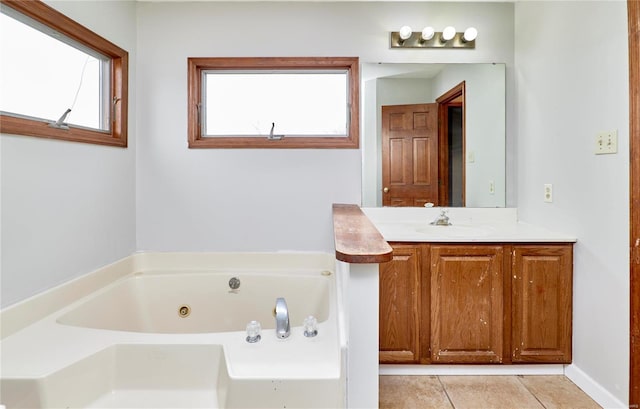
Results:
475 141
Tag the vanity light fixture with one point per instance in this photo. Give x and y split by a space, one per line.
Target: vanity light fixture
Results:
429 38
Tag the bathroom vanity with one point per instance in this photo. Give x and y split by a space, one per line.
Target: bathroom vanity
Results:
486 289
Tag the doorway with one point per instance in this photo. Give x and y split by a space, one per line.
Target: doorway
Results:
451 146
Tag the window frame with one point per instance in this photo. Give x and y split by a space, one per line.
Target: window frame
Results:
117 133
196 67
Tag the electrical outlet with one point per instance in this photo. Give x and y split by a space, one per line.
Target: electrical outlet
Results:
606 142
548 193
492 187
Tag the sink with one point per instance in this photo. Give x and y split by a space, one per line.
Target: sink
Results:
456 230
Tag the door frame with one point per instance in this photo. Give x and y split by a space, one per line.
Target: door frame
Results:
633 14
444 102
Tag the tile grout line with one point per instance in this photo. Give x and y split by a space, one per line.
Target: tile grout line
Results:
518 377
444 389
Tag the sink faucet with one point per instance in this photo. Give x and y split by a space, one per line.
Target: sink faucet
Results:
442 220
282 319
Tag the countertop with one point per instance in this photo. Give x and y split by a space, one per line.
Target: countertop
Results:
356 239
491 225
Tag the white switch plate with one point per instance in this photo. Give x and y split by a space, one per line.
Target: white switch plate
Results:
606 142
471 156
548 192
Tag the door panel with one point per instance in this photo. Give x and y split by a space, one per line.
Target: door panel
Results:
542 293
466 304
399 306
397 162
396 121
420 121
410 154
421 162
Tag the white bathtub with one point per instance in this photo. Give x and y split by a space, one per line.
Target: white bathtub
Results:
153 301
126 345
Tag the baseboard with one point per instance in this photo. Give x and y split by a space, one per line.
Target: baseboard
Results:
592 388
554 369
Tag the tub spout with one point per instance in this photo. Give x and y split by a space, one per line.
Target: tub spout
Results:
282 319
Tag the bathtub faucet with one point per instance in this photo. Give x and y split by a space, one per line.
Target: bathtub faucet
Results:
282 318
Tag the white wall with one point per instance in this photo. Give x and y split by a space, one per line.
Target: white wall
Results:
69 208
567 91
266 200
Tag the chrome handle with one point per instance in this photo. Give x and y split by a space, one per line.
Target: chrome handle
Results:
386 190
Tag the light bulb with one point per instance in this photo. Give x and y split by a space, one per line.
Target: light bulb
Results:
428 33
470 34
405 32
448 33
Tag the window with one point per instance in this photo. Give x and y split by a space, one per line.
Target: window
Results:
58 79
273 102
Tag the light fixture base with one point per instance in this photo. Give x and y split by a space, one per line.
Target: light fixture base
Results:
416 41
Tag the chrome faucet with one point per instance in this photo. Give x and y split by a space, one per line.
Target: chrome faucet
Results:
281 313
442 220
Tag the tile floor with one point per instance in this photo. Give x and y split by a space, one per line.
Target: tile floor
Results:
482 392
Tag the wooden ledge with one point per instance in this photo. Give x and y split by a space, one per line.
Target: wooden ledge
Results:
357 240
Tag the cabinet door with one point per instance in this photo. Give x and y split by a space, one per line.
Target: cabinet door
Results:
399 306
542 294
467 303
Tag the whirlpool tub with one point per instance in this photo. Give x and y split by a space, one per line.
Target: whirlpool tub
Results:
170 332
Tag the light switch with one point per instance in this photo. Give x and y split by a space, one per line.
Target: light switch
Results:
548 193
606 142
471 157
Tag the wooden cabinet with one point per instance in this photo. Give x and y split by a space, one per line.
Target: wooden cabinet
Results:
400 306
466 304
476 303
542 295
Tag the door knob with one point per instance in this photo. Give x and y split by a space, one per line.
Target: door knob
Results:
386 190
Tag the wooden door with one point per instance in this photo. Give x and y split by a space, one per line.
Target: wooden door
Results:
542 294
400 306
467 304
410 154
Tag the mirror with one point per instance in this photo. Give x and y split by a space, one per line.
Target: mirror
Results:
482 157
